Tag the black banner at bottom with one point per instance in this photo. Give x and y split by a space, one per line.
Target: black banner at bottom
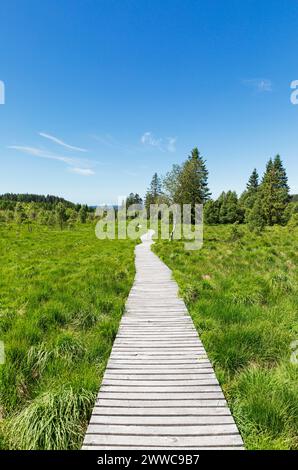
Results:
141 459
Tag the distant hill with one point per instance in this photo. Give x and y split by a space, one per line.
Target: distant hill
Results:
9 201
49 199
294 197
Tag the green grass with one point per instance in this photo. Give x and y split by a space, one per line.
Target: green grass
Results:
242 293
62 294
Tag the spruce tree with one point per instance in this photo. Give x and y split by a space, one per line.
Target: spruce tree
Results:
155 186
154 192
274 192
211 212
255 217
253 182
193 180
249 196
281 176
228 212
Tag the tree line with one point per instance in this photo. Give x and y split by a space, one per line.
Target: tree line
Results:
265 201
58 212
9 200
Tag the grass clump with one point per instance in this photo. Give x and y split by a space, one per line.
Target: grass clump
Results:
54 420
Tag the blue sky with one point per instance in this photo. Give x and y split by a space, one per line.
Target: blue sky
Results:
102 93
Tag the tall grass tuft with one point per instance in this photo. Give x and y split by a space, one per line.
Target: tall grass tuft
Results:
52 421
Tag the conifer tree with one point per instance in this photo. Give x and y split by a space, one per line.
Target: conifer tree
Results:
274 192
249 196
282 176
154 192
255 217
193 180
228 212
253 182
211 212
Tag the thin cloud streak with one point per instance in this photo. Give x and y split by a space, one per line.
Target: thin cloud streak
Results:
110 142
61 142
82 171
259 85
37 152
78 165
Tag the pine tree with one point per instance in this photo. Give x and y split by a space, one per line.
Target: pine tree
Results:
154 192
274 192
133 199
282 176
228 212
255 217
253 182
248 197
193 181
211 212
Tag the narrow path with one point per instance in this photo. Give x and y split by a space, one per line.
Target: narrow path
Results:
159 390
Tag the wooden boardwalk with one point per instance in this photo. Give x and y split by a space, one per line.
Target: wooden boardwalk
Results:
159 390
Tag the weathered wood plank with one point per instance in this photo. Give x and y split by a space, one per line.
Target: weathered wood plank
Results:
162 430
161 383
156 376
168 441
161 420
203 389
161 411
190 403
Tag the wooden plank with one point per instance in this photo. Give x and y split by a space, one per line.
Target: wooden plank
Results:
160 368
162 388
137 403
161 420
161 411
161 383
157 376
136 363
168 441
162 430
150 396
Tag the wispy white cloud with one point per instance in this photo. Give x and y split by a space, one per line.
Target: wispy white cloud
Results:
171 144
107 140
148 139
77 165
163 144
82 171
37 152
61 142
259 85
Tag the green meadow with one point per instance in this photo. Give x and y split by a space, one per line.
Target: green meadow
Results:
241 290
62 294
